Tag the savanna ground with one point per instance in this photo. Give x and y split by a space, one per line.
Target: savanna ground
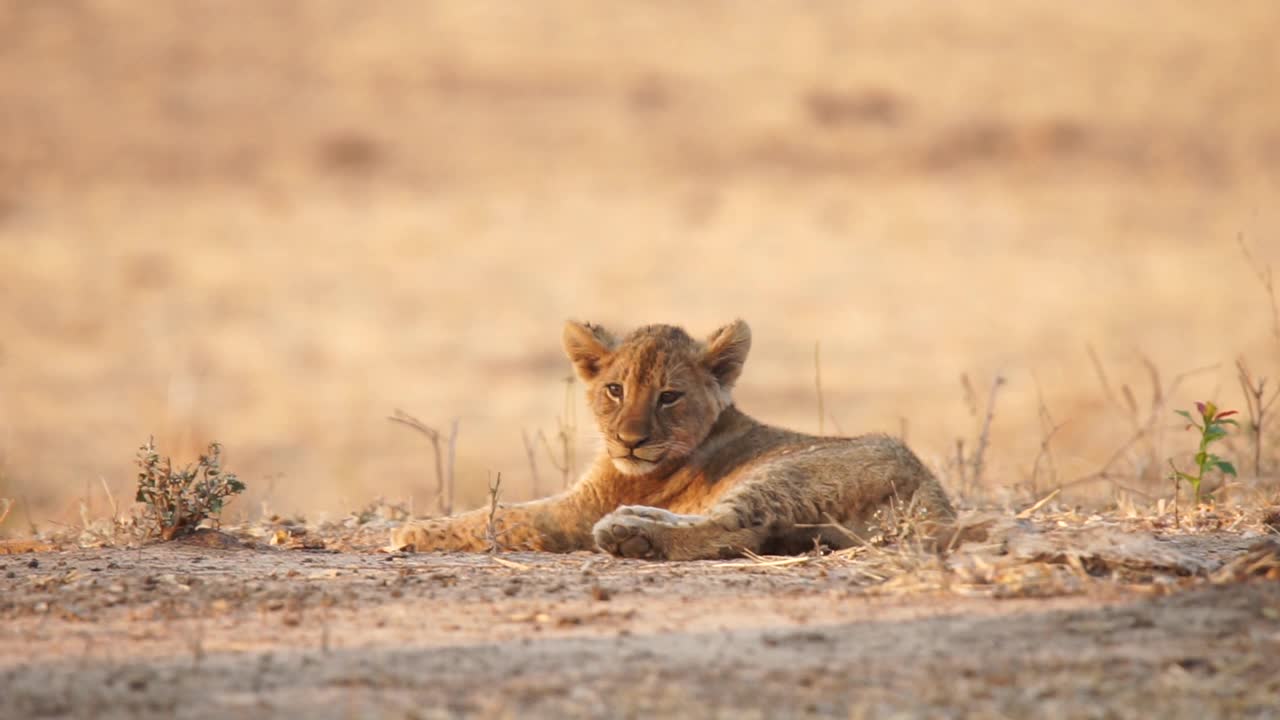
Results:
271 225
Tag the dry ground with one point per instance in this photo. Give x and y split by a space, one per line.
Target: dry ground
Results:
269 224
1091 618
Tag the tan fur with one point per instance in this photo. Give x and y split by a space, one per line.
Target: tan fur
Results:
694 477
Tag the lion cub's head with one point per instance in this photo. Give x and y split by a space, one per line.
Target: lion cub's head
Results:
657 392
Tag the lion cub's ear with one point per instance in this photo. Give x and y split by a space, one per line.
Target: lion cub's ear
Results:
588 347
726 352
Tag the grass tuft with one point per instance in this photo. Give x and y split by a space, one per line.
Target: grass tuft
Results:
176 502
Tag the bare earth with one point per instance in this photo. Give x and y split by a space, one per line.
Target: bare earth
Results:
1149 625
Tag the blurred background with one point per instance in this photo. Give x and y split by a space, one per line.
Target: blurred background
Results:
272 224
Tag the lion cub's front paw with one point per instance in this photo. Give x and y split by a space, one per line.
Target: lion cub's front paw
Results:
636 531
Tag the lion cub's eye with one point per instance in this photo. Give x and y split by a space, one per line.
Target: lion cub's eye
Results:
614 390
669 397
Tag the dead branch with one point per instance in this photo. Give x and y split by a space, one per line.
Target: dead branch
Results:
115 509
450 477
1257 406
979 453
1048 428
530 451
817 382
566 431
970 396
5 506
444 479
491 526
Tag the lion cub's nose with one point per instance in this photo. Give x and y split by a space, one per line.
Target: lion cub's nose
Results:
632 439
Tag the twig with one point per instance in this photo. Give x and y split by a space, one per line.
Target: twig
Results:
761 561
566 430
1100 372
115 509
970 396
510 563
1267 280
835 424
7 505
817 382
530 451
491 526
26 510
1157 392
1048 428
1038 504
450 477
1254 394
984 437
961 464
1125 399
444 479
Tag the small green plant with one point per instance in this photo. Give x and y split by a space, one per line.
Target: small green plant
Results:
177 501
1212 425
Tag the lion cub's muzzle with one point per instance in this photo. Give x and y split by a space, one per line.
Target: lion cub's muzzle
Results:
637 460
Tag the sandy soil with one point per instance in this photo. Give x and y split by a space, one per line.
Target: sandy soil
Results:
182 630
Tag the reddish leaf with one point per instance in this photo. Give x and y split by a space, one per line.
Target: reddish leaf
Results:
1227 413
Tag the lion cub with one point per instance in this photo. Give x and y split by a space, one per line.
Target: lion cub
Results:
686 475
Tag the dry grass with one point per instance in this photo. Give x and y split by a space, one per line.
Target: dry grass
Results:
1058 551
261 234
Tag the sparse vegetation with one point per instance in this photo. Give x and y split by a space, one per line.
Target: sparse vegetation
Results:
445 483
493 533
176 502
969 467
1255 398
563 457
1212 425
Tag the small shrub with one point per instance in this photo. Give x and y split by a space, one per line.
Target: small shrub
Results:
176 502
1212 425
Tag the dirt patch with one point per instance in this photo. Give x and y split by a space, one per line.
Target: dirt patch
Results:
194 631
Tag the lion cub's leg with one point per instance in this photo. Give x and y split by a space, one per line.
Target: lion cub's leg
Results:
557 524
637 531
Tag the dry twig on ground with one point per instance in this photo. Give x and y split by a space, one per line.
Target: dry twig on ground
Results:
531 454
984 438
1258 406
444 464
817 383
1048 429
492 534
566 431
